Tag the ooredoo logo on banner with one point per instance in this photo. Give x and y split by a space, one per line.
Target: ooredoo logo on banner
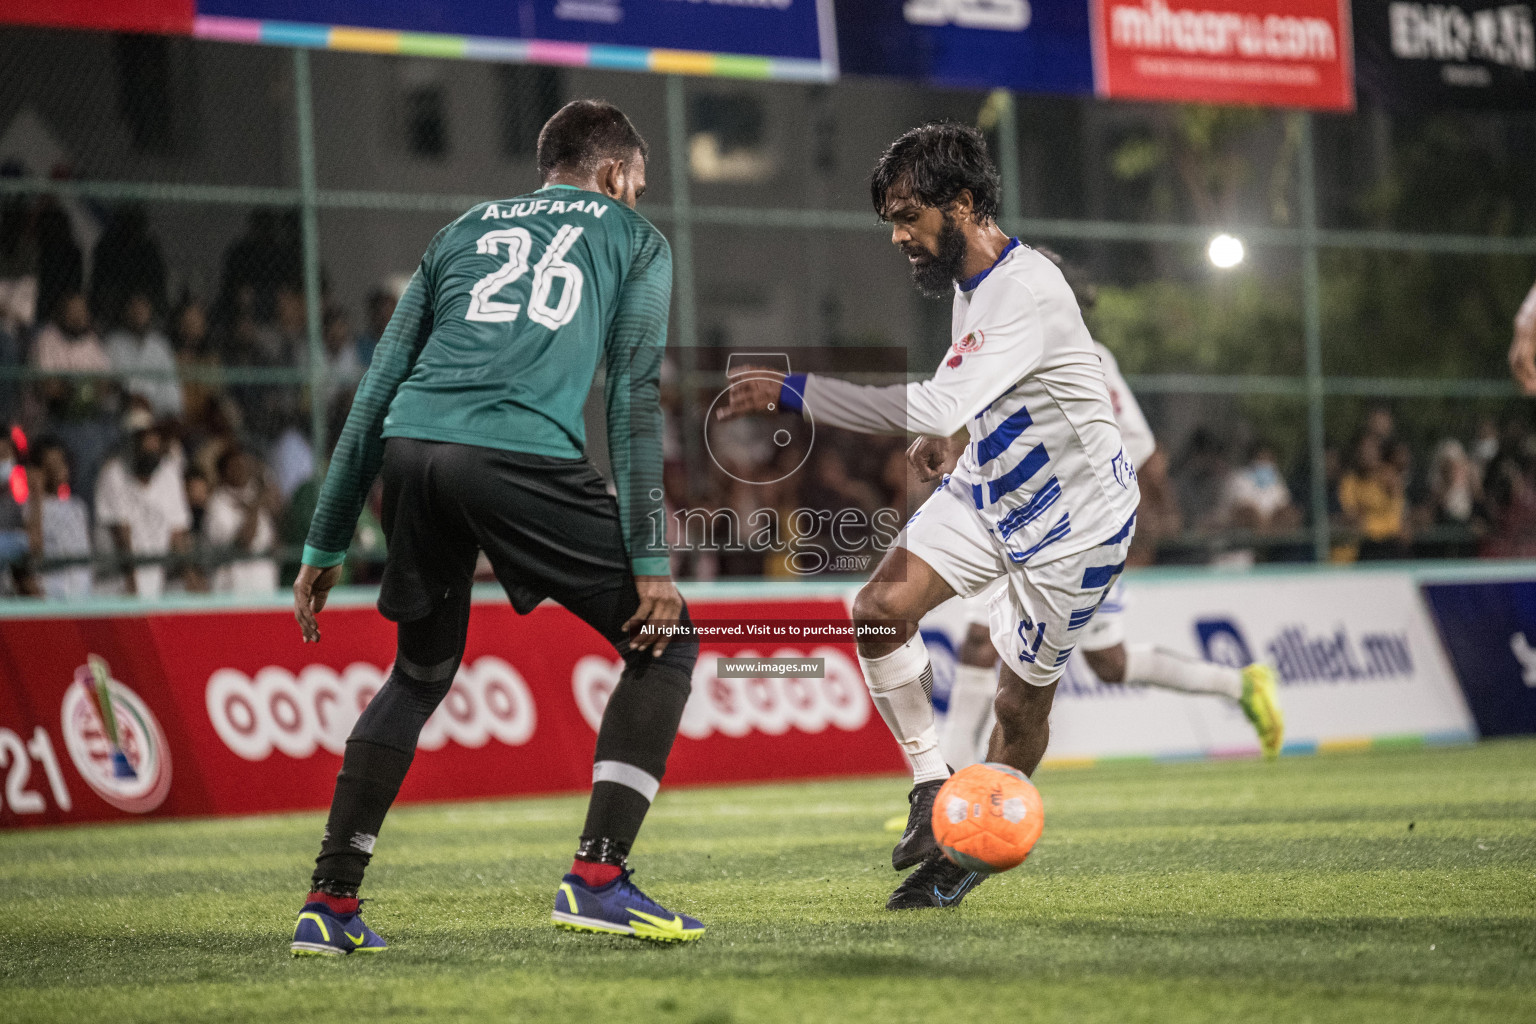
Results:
297 713
1288 53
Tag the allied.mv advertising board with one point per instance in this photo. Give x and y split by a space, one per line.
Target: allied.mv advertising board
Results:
1357 656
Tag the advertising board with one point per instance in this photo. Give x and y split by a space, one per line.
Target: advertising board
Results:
1282 53
1357 656
1029 45
1490 633
228 713
1473 53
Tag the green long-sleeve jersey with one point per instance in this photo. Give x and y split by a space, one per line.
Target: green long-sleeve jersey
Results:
496 342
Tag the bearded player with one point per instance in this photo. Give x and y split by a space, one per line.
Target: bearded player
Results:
1042 494
473 408
1102 642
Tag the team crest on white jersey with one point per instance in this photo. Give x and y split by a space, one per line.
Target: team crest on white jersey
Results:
971 342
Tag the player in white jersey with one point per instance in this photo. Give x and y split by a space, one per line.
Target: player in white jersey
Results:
964 737
1039 492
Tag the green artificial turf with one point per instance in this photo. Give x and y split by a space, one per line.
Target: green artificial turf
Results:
1292 891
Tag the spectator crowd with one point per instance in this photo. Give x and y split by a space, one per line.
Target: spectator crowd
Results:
153 446
149 448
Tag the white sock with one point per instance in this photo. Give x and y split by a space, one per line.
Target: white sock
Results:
1146 665
964 740
900 684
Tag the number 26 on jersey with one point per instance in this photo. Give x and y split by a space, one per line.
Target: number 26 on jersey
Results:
550 269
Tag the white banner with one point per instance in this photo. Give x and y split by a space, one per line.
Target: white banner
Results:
1356 652
1358 659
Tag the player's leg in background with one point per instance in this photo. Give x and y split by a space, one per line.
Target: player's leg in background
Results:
383 742
636 735
968 722
1150 665
1114 661
1254 689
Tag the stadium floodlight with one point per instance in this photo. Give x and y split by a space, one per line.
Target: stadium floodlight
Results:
1225 251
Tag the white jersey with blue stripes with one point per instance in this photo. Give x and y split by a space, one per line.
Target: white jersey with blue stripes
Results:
1045 468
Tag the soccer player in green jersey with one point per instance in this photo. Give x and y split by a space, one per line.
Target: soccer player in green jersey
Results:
472 407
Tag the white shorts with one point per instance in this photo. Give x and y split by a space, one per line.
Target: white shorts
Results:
1036 614
1105 630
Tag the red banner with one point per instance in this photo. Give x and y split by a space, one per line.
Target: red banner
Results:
228 713
172 17
1285 53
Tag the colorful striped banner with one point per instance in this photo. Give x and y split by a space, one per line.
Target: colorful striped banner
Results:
1343 745
520 51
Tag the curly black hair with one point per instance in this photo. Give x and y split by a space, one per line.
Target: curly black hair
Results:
934 164
584 132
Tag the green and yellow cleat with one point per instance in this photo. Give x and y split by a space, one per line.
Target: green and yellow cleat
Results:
1261 704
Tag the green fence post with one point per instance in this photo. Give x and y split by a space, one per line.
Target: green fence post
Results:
1311 287
310 228
681 237
1008 160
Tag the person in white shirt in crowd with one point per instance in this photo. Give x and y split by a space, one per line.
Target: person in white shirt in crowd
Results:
1455 491
141 509
292 460
343 368
240 520
136 346
66 343
1257 497
59 525
1257 500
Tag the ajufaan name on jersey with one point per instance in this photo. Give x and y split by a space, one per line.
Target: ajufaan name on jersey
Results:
511 210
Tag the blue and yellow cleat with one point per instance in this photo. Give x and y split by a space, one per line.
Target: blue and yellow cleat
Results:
321 933
619 908
1261 705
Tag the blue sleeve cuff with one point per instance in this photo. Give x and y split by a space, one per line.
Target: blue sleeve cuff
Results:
323 559
792 393
651 565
